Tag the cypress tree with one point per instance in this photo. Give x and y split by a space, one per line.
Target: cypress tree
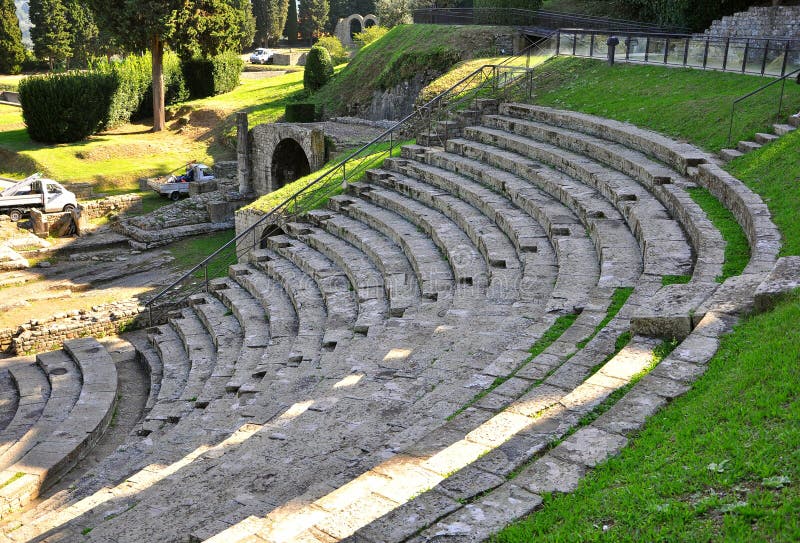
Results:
291 23
50 32
11 51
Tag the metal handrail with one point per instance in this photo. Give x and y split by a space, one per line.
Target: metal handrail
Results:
286 205
781 80
524 17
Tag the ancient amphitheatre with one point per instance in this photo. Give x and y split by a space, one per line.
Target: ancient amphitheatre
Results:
473 330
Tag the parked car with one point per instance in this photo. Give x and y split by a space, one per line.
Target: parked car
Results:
261 56
173 186
36 192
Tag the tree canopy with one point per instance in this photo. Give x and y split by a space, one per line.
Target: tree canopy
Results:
50 30
12 53
203 27
313 17
270 20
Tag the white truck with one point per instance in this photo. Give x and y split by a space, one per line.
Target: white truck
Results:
35 192
173 186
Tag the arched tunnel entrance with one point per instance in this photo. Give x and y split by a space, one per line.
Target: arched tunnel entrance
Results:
289 163
369 22
355 28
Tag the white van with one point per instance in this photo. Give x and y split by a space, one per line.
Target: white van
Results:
35 192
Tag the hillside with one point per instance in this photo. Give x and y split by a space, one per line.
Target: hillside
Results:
419 52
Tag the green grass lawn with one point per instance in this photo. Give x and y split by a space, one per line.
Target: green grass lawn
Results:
721 464
687 104
114 161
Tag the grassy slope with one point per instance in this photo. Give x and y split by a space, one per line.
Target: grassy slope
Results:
663 486
668 484
117 159
360 78
691 105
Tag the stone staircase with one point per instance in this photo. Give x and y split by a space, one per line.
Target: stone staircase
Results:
761 139
366 375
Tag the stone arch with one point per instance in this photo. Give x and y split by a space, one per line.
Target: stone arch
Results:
348 26
370 20
289 163
276 149
356 26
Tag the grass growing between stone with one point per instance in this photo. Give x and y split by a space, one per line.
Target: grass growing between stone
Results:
191 251
737 250
721 464
688 104
332 185
774 173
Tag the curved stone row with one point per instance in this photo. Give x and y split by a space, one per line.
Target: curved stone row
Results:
366 373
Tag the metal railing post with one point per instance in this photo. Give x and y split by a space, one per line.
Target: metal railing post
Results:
730 127
628 47
780 102
591 46
785 58
725 54
205 271
764 58
666 50
558 42
647 49
686 51
705 55
746 52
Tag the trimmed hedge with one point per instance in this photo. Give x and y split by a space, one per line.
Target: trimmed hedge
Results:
319 68
300 113
67 107
212 76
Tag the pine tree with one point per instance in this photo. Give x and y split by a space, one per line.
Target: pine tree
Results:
11 51
247 22
152 24
292 29
313 17
50 31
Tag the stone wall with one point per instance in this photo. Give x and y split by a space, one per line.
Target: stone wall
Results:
264 138
245 218
48 334
761 21
93 209
342 30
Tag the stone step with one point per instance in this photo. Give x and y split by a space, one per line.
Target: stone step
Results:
434 274
253 321
680 156
32 390
366 280
664 246
9 398
401 285
763 138
632 163
578 266
783 129
340 301
503 264
794 120
55 454
468 266
307 300
204 347
248 311
177 366
730 154
747 146
273 299
152 365
527 236
64 378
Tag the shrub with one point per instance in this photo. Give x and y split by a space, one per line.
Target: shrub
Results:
300 113
211 76
319 68
339 54
62 108
370 34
